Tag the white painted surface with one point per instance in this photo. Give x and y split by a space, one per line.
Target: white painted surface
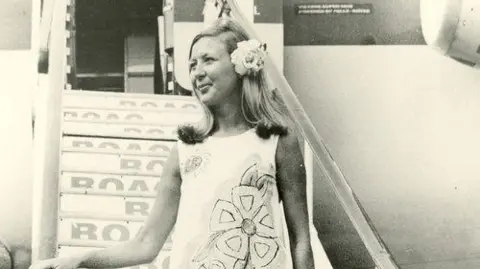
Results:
402 122
16 151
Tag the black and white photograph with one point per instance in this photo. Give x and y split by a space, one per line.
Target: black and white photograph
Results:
239 134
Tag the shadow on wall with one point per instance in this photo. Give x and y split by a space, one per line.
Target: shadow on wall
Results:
13 257
341 242
6 261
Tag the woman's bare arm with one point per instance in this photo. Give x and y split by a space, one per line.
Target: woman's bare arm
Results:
146 245
291 180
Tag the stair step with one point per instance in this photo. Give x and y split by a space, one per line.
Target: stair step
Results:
101 233
105 184
139 102
104 207
129 131
111 164
113 150
129 117
116 146
97 216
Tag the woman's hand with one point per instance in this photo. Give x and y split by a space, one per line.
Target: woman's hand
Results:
70 262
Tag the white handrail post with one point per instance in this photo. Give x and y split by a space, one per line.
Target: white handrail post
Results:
47 137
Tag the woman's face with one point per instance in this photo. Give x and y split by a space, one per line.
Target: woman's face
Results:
212 72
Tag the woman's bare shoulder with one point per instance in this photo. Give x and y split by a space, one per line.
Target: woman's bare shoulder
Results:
289 153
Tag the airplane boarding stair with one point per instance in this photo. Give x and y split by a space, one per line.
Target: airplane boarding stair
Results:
112 151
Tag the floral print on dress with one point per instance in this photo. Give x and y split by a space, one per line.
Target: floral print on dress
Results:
260 177
195 163
242 230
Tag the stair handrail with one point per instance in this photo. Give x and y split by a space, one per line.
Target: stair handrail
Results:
47 133
47 13
323 158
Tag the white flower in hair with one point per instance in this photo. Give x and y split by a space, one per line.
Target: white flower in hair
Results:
249 57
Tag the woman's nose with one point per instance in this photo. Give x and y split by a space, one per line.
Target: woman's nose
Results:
199 71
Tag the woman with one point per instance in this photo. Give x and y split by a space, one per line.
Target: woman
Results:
226 179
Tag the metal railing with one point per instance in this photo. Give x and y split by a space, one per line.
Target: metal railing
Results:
47 14
53 46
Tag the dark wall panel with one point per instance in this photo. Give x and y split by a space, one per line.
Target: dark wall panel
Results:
352 22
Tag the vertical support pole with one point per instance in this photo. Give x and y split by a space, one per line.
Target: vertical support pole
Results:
161 50
72 45
170 79
210 12
47 141
319 254
308 158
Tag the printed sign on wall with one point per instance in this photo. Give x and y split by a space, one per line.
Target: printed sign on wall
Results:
333 9
353 22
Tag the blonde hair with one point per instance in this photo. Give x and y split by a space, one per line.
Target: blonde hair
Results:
261 107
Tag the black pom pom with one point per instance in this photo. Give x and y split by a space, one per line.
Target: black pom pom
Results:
189 135
265 130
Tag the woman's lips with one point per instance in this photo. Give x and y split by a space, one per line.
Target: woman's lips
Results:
204 88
